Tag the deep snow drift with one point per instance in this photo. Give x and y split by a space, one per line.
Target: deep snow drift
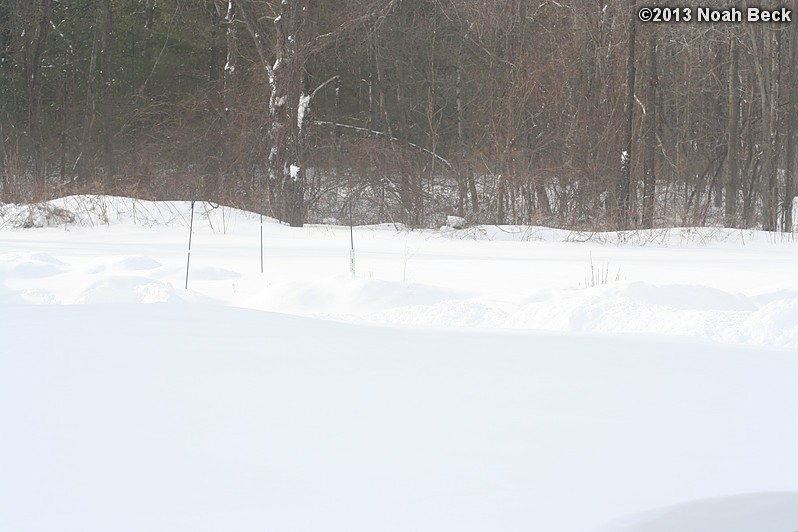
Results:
507 393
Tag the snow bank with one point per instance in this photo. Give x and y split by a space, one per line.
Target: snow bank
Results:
90 211
726 286
754 512
672 386
204 417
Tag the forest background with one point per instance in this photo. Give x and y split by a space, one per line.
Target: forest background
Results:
567 113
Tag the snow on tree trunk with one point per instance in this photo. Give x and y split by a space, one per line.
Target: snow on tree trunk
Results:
286 113
288 104
283 53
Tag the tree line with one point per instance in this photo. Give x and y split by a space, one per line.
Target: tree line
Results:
569 113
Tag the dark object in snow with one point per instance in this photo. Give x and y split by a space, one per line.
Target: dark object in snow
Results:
456 222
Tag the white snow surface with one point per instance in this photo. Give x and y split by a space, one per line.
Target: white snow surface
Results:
485 379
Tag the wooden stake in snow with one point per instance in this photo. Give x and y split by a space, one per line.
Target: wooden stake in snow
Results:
190 231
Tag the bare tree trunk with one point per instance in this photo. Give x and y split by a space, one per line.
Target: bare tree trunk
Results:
789 177
624 199
3 173
750 170
462 176
373 122
731 167
287 107
501 200
287 102
83 168
34 48
410 189
229 92
649 173
214 52
767 62
232 55
770 207
105 26
6 94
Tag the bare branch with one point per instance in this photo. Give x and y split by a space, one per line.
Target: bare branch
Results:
317 89
385 135
258 36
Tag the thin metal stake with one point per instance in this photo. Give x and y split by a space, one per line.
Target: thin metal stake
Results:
351 241
260 182
190 231
261 242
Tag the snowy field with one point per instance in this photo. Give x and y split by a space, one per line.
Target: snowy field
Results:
485 379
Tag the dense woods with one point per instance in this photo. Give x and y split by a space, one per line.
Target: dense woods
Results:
570 113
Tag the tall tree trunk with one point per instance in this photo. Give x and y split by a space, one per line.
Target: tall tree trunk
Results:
731 166
284 53
287 102
501 200
649 173
215 15
790 118
83 166
463 171
624 194
287 107
750 169
229 93
767 62
105 26
4 181
34 49
771 210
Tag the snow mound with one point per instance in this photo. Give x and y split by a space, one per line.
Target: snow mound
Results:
209 273
30 265
674 309
681 296
775 323
755 512
127 289
343 294
617 308
123 263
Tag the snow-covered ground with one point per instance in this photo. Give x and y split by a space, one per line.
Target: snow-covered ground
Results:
486 379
